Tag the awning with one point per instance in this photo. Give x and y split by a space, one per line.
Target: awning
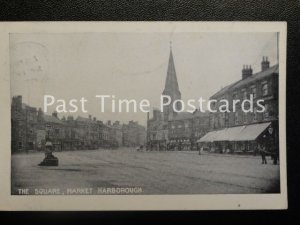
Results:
229 134
240 133
251 132
209 137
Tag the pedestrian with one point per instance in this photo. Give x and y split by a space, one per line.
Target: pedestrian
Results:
262 150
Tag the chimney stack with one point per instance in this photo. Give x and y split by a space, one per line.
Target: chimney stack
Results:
265 64
90 117
247 71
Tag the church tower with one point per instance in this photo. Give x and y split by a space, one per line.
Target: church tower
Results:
171 89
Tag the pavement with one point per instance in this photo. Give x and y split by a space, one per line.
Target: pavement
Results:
150 172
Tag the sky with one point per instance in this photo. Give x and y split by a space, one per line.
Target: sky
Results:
130 66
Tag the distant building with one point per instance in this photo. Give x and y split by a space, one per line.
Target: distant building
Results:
23 125
54 129
31 129
87 130
170 130
186 128
72 140
133 134
117 132
240 131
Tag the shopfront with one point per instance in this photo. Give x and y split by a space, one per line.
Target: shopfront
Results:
240 139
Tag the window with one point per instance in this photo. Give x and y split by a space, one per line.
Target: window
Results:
265 89
253 91
20 145
213 105
266 112
236 118
244 94
179 126
235 95
173 126
245 118
254 115
186 125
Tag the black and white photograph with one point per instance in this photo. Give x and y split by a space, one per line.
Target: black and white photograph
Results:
148 112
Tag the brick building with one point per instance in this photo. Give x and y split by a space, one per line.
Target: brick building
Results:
241 131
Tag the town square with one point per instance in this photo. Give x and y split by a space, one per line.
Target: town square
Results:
154 172
60 150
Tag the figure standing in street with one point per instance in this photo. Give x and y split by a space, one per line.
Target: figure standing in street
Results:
262 151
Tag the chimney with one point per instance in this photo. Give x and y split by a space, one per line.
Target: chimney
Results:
94 119
40 114
265 64
54 114
246 71
90 117
109 123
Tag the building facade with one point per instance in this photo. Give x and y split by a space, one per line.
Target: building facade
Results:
234 127
31 128
133 134
23 125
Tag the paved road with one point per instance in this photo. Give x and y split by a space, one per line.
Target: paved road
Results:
154 172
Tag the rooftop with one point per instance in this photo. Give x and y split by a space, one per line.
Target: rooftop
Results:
257 76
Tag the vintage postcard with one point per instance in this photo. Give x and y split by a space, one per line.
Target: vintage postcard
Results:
143 115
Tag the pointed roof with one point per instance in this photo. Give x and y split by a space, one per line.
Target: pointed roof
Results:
171 84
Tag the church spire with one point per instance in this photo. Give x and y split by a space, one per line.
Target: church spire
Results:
171 85
171 88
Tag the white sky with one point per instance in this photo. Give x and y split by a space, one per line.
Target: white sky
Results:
130 65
